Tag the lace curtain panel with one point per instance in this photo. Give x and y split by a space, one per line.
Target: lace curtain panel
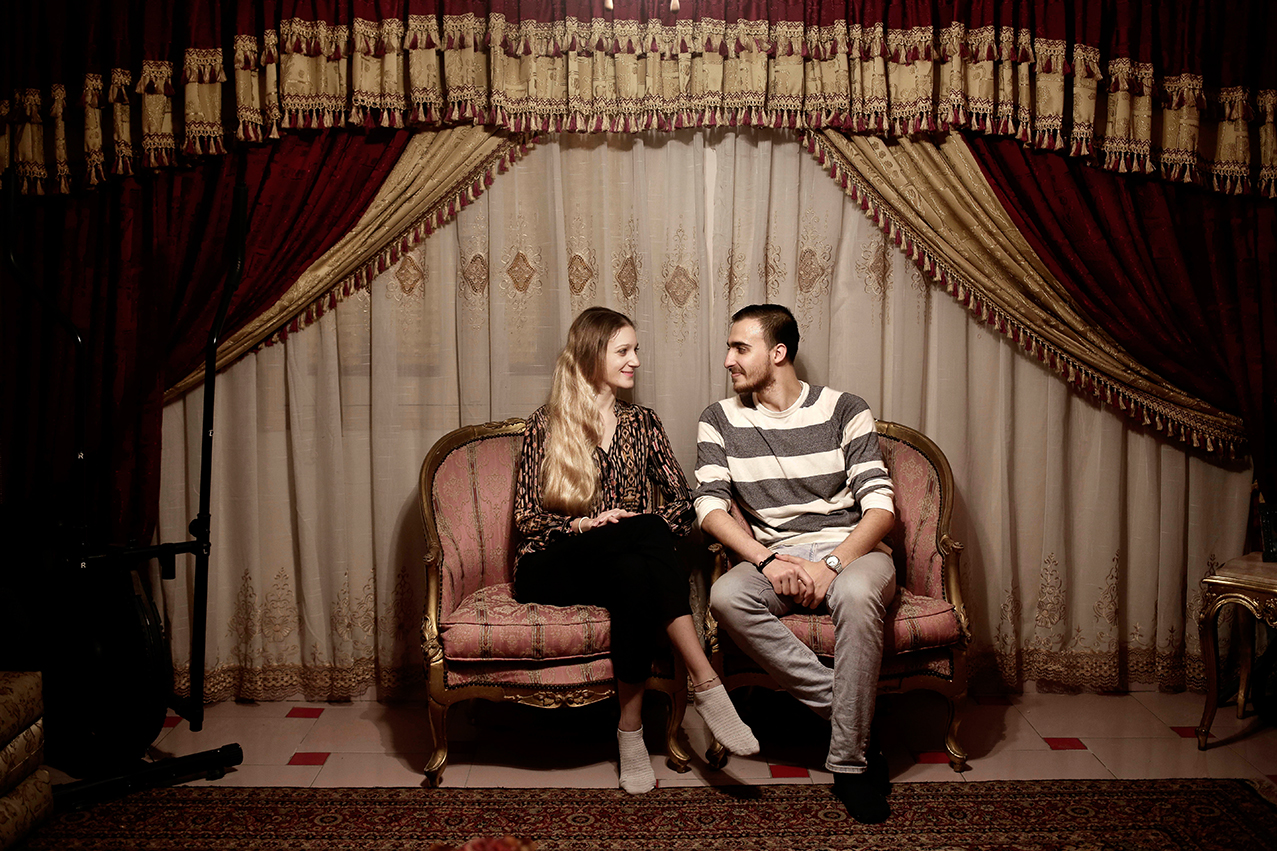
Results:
1086 536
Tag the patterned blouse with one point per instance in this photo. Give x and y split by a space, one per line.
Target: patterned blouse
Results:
640 456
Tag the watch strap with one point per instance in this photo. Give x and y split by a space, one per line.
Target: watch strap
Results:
765 562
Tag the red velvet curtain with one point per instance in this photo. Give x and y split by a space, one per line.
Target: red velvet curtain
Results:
1185 279
140 266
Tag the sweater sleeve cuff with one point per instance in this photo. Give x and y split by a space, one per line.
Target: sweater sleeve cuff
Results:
707 504
877 500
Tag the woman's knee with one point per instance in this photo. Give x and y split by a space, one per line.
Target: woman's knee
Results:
730 594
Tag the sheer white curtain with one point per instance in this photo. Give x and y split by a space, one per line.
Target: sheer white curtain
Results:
1085 538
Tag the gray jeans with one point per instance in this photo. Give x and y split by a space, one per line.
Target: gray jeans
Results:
744 604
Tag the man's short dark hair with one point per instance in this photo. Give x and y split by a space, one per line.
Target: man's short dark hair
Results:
778 324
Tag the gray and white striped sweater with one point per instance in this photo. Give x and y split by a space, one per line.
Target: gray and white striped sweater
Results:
805 475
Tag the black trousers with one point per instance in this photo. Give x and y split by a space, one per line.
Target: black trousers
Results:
630 568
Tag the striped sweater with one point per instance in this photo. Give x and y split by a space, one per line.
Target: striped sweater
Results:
803 476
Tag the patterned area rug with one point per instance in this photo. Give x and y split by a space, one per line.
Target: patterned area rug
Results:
1149 815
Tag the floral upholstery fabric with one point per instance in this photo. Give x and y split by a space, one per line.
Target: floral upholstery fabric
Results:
474 509
25 807
25 787
917 490
491 624
21 702
21 756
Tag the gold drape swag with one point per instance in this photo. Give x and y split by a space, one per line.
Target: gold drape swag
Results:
438 174
610 74
933 201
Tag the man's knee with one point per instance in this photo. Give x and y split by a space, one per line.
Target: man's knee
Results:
865 585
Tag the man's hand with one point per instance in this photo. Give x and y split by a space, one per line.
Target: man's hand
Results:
789 578
818 575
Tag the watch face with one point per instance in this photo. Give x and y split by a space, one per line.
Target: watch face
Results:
833 562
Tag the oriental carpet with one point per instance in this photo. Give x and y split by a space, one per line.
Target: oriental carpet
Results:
1095 815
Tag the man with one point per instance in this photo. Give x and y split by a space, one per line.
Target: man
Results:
803 463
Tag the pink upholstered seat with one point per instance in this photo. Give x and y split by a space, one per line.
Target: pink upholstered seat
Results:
489 624
477 640
927 629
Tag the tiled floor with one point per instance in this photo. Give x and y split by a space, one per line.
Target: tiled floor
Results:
1030 736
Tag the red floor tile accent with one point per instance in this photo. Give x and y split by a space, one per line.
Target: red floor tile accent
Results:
308 759
305 712
172 721
788 771
932 758
1190 733
1065 744
992 700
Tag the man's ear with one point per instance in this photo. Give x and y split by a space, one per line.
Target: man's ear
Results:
779 352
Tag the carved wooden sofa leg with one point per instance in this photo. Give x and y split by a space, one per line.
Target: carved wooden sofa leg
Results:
957 755
438 761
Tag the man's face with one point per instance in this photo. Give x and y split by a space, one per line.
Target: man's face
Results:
749 358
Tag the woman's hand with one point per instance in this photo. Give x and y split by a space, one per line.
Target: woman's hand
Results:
603 517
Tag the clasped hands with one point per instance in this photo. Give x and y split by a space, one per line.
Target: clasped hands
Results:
805 581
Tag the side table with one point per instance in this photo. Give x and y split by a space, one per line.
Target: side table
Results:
1249 582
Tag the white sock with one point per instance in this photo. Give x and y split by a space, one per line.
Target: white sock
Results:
637 776
720 715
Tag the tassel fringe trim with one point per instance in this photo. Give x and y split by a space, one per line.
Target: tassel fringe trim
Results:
461 195
1147 410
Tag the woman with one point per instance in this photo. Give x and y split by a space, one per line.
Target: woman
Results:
591 535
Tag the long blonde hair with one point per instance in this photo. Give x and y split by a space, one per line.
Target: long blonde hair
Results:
569 477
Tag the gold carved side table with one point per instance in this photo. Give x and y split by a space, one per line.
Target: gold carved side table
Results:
1251 583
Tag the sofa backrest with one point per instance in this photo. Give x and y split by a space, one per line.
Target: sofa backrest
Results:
472 507
920 509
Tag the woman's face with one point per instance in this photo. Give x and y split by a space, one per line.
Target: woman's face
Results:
620 359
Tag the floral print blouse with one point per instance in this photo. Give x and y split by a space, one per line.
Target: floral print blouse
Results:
640 456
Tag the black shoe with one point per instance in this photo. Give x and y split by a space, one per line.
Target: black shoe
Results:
878 774
862 797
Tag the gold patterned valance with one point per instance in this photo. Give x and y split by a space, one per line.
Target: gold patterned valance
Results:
1185 90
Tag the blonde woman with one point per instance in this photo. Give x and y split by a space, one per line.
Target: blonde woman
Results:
591 535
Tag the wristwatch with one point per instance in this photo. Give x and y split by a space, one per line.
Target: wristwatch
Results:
834 564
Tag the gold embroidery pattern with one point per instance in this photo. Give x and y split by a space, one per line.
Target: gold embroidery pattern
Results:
681 273
522 277
873 267
273 619
734 274
407 288
771 269
1050 594
474 271
409 275
583 267
627 269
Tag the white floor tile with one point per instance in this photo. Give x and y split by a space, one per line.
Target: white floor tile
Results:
1147 759
1037 765
360 769
1098 715
264 775
265 741
1259 748
370 728
1184 709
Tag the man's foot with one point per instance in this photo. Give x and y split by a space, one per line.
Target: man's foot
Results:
637 776
720 716
862 797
